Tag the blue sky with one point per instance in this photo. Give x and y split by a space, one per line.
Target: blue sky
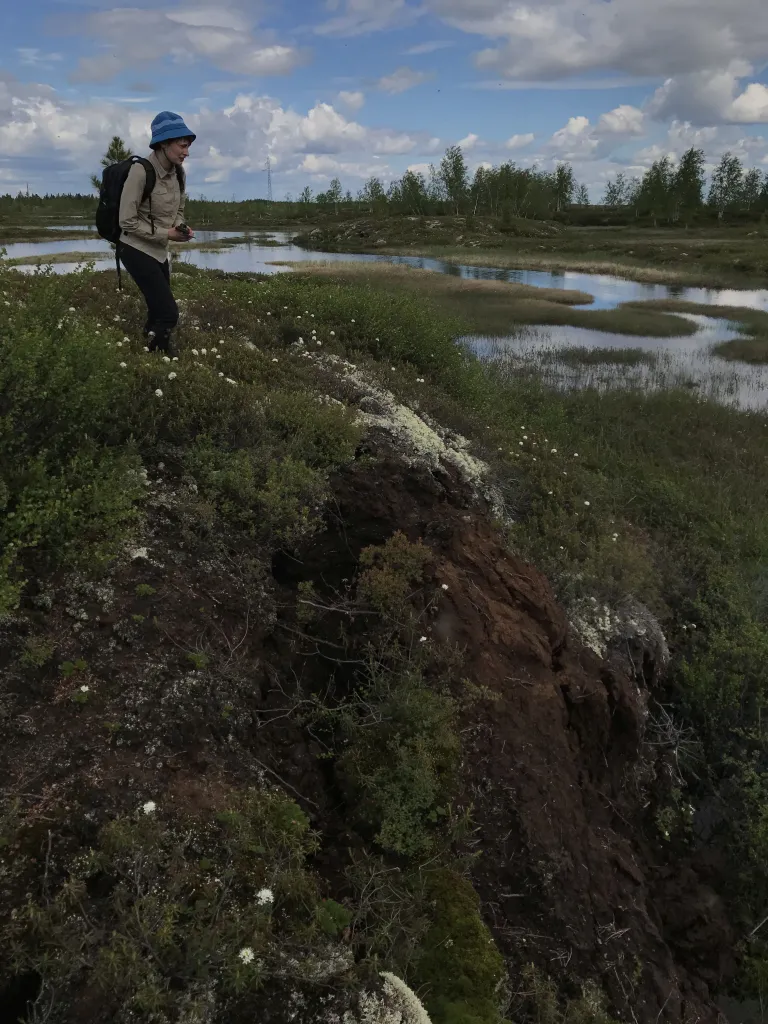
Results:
356 87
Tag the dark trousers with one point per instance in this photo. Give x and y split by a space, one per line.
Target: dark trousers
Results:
154 282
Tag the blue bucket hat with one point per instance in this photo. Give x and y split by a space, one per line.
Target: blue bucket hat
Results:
168 125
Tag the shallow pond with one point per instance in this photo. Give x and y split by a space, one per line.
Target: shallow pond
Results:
255 257
678 361
559 356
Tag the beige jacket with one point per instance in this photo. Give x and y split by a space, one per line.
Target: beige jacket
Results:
167 209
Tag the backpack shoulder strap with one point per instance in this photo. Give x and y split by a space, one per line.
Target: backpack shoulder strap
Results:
180 177
149 170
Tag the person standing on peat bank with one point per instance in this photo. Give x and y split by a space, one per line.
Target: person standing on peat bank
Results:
149 222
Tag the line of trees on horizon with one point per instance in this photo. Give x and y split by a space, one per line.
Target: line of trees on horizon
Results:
667 192
496 191
671 193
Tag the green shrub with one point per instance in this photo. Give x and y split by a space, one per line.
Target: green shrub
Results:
391 572
458 965
167 906
401 753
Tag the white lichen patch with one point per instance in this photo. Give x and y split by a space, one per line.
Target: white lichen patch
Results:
629 624
396 1003
419 439
594 624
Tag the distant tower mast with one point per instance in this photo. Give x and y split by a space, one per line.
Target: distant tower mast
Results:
269 180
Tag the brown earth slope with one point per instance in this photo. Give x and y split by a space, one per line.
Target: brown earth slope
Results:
554 767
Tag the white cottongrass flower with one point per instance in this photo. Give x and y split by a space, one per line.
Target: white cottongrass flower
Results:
203 351
587 503
275 360
264 896
149 807
575 455
352 321
553 451
146 348
171 376
221 374
333 334
422 640
218 357
246 954
119 344
84 688
72 309
214 350
126 338
166 359
445 586
123 365
230 381
195 352
158 393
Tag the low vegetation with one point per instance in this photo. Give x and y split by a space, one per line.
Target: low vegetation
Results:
164 900
496 307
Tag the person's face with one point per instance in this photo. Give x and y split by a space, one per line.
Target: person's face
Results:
177 150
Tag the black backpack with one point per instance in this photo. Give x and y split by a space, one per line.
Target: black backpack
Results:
112 182
108 210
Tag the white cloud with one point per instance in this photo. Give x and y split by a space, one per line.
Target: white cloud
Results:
402 79
519 141
323 167
39 129
35 57
351 100
714 141
421 168
559 38
359 17
622 120
138 38
579 139
707 97
469 141
429 47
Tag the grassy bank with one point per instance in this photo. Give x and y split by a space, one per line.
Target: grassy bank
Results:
496 307
707 257
753 323
230 455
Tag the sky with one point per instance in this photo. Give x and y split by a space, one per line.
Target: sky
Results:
354 88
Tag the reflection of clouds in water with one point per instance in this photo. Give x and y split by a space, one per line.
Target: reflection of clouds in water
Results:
673 362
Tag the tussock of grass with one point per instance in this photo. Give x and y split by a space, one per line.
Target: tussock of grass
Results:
494 307
576 356
753 323
428 282
744 350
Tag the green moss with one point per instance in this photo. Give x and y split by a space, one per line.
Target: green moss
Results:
459 968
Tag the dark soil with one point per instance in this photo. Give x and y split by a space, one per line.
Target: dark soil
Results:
570 875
